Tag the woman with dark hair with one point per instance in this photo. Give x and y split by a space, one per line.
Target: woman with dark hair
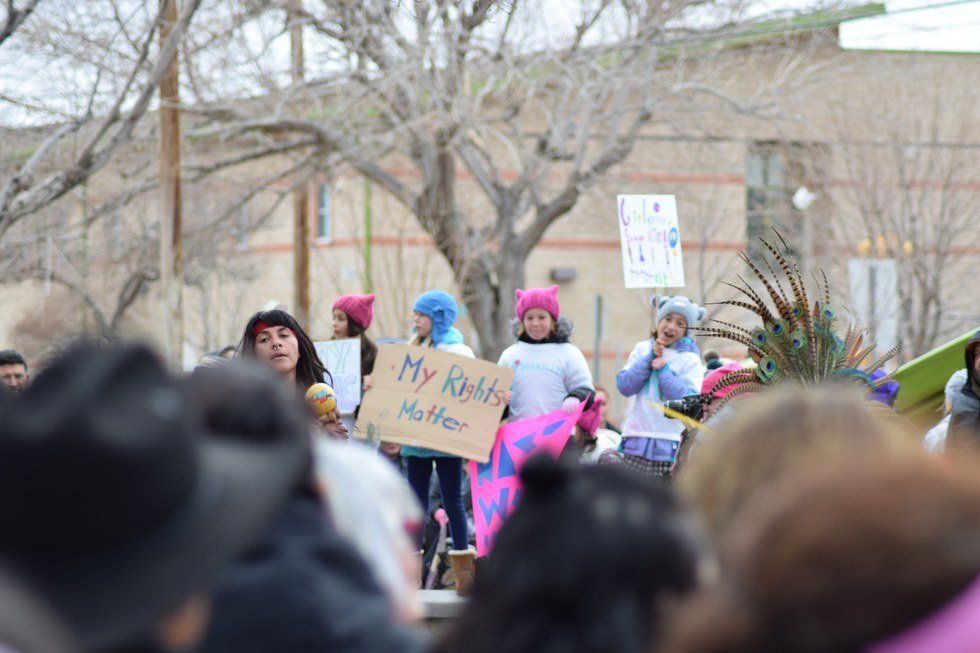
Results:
584 564
276 339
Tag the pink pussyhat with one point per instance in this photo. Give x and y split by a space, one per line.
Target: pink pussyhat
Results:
544 298
714 376
592 417
359 308
955 628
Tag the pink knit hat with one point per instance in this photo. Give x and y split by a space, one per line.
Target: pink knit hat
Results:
714 376
359 308
546 298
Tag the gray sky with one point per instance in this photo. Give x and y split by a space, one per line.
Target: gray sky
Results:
952 27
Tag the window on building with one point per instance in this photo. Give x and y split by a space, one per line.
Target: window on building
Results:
775 171
323 222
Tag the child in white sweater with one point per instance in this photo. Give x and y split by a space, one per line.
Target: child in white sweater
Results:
549 372
666 366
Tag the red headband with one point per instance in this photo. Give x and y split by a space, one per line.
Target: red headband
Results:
261 326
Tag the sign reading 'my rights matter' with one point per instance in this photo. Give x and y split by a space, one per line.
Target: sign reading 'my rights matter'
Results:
424 397
651 241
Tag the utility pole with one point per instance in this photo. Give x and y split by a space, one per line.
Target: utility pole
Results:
171 247
368 237
301 196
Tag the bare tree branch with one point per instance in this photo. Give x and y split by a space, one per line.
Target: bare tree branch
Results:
95 154
15 18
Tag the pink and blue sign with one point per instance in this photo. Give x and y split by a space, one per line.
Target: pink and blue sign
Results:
496 486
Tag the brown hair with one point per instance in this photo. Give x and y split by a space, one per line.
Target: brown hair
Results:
369 350
775 434
845 558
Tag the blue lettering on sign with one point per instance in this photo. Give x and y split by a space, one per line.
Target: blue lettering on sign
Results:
408 409
455 375
497 507
484 473
554 426
526 444
506 466
415 366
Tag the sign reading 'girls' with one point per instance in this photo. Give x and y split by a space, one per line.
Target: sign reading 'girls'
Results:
651 241
424 397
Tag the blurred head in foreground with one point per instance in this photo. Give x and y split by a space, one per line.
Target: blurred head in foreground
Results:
886 560
585 563
776 434
118 506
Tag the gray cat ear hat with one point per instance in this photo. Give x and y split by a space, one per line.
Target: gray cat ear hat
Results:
664 305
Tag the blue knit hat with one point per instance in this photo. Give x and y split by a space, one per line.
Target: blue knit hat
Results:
441 308
665 305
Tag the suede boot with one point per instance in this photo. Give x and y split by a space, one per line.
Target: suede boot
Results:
463 565
419 557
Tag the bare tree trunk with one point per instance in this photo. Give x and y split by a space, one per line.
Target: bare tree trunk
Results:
489 296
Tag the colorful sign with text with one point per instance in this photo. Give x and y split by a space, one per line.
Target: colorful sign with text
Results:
495 484
651 241
343 360
424 397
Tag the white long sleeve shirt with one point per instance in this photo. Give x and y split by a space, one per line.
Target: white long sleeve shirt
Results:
544 375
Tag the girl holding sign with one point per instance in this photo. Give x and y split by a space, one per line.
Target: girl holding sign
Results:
352 315
549 371
276 339
666 366
435 314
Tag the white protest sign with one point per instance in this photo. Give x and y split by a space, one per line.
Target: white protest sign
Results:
651 241
342 359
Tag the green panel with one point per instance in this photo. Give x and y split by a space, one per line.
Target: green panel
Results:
923 380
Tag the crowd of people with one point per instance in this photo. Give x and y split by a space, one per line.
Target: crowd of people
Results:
216 512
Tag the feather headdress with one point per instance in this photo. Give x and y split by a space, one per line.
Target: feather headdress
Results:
797 340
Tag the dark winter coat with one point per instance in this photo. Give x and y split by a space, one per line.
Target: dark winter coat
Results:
964 421
303 589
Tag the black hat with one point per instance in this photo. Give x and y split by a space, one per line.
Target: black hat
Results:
116 503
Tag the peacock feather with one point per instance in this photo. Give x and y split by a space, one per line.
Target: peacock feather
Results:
797 339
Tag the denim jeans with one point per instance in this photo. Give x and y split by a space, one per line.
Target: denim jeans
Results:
450 471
